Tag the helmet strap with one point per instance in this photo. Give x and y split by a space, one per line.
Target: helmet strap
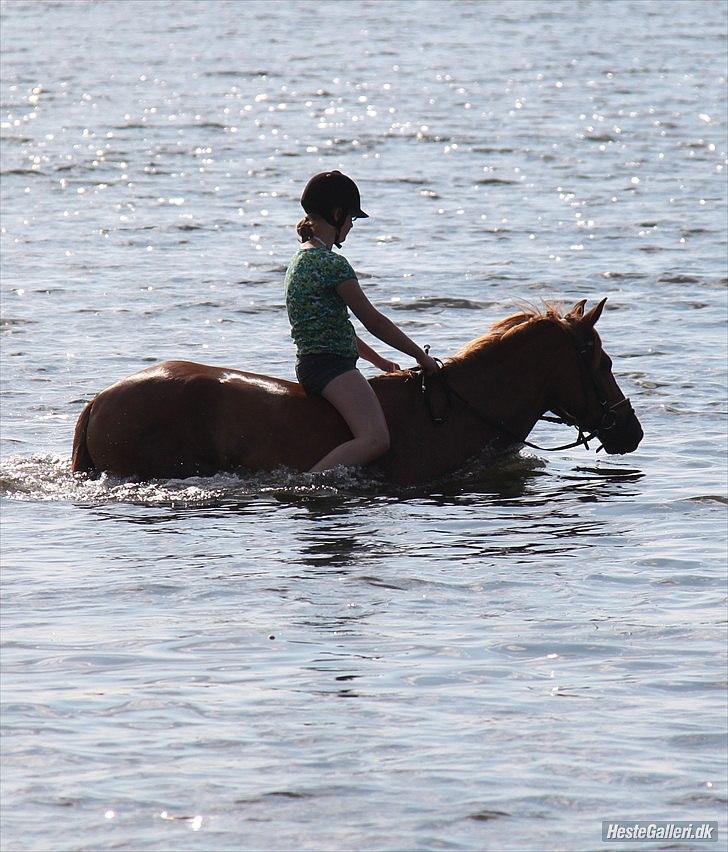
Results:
338 225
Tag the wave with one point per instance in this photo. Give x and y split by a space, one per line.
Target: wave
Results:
679 279
224 72
495 182
48 478
487 149
428 302
12 322
24 172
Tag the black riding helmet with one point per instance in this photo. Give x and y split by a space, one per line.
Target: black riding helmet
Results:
326 192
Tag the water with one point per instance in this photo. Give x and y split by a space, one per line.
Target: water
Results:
273 663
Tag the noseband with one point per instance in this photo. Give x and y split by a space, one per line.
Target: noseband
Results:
607 420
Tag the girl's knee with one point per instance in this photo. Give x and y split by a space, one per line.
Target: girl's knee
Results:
378 443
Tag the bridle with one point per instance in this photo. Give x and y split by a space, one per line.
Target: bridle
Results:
589 376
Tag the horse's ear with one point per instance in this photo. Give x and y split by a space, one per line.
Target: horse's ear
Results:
577 312
591 317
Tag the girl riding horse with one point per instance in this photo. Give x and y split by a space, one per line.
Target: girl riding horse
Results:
320 286
180 418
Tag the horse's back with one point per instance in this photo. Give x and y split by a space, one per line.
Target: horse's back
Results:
181 418
191 373
194 384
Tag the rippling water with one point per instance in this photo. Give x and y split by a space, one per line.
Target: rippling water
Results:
279 662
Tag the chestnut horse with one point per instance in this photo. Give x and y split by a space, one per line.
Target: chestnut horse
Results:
181 419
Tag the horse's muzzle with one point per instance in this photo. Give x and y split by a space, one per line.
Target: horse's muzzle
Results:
624 434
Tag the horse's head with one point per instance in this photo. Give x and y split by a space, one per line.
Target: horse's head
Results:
592 399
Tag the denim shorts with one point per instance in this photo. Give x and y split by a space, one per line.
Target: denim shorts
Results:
314 372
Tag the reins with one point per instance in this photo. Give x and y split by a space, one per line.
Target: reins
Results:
496 425
607 421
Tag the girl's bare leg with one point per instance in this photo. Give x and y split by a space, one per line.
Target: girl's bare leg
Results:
352 396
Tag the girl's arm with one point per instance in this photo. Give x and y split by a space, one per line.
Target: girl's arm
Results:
375 358
380 326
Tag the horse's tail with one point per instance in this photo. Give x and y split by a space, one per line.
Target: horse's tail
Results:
81 461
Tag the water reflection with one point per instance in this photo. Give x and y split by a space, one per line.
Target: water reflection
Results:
330 550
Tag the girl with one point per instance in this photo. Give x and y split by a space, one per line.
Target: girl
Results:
320 285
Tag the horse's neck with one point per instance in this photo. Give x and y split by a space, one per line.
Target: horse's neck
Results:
508 380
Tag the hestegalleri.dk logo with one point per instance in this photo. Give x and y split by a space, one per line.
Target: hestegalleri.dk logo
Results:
641 830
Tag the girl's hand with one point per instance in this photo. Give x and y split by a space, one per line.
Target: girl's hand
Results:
428 364
388 366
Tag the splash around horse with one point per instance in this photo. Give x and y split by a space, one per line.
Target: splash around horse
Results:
181 419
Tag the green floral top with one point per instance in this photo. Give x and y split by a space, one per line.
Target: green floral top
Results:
318 315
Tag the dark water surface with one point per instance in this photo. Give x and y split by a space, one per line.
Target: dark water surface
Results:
271 662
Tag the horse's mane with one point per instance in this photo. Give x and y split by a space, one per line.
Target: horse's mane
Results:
504 328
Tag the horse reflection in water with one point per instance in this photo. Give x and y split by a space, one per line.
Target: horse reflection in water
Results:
181 419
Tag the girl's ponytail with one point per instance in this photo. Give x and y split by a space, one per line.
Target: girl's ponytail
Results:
305 230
